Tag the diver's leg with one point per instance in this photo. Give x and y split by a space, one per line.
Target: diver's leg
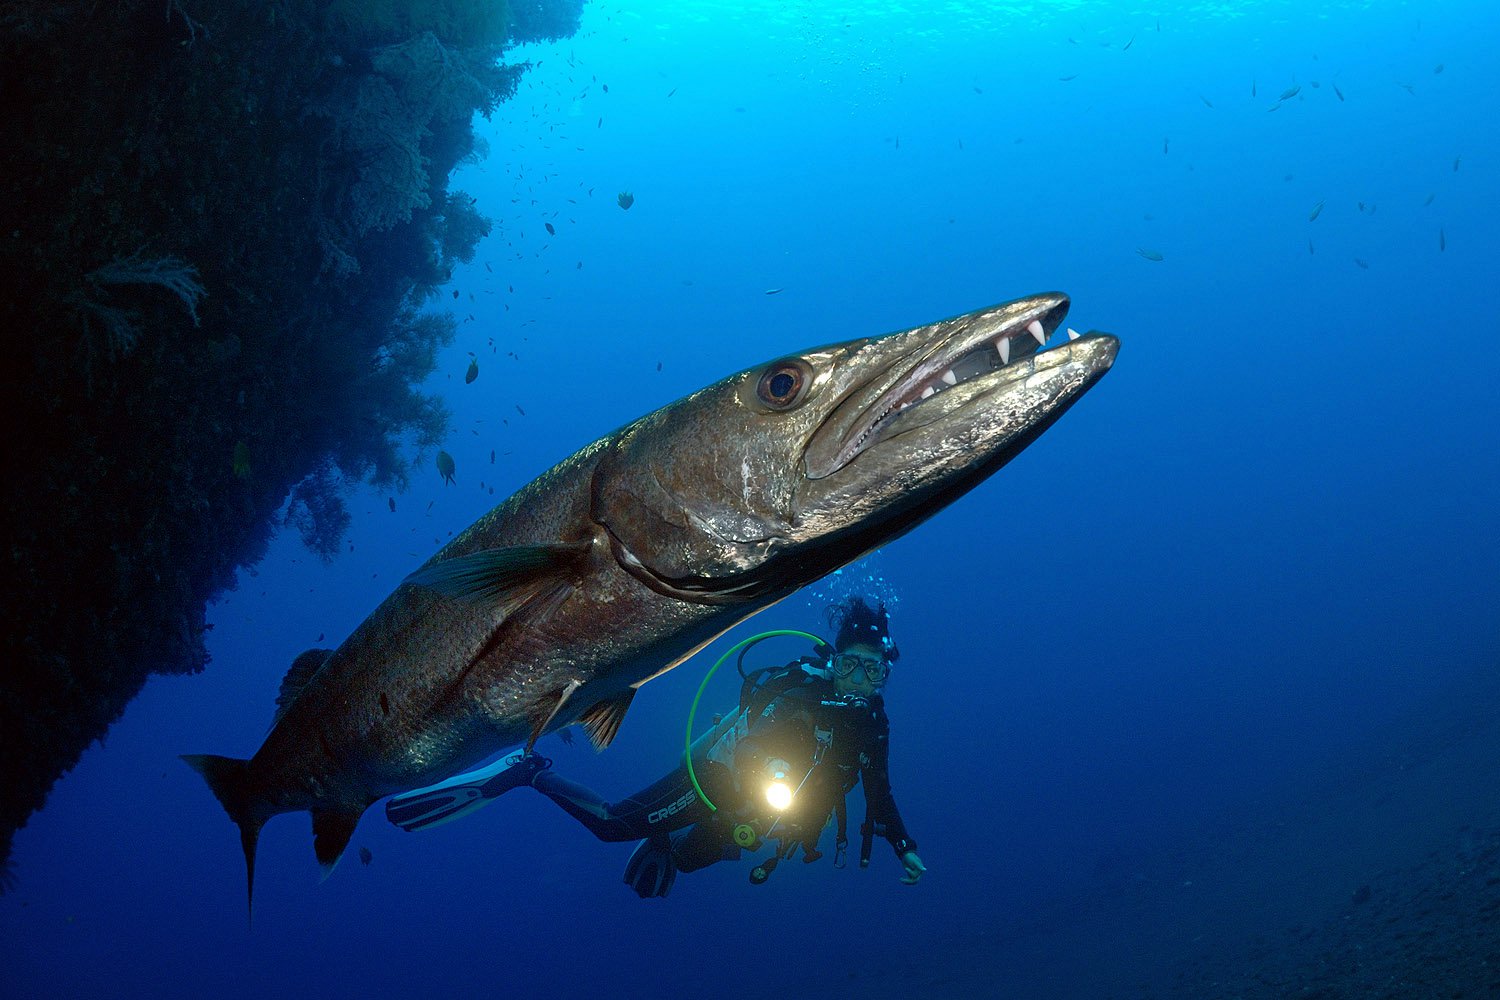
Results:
668 804
707 843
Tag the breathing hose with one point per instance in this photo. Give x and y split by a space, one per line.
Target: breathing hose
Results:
743 644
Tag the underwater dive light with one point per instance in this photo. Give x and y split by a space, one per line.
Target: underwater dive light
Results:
778 791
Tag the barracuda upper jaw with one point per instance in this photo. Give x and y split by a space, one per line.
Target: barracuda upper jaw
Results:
985 345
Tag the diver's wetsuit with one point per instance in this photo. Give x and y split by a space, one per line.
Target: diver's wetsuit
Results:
787 715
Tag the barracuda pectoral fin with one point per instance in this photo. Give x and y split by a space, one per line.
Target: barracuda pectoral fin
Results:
546 710
602 721
505 577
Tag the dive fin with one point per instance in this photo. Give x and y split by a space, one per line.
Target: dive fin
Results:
602 721
498 576
229 780
332 830
458 796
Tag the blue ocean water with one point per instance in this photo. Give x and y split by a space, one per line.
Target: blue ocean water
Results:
1212 655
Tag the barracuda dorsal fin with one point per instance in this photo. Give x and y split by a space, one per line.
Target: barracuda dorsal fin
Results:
499 576
298 674
602 721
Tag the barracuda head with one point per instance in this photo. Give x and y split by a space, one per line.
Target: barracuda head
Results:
776 476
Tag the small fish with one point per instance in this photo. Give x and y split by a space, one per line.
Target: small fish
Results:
1407 87
1314 84
1129 44
1364 265
1336 91
773 291
365 857
625 199
672 91
1442 240
1290 92
658 366
978 91
1437 69
566 735
240 464
1429 199
446 468
1149 254
392 502
600 123
1206 102
1252 87
1310 250
1164 147
550 230
519 410
1455 163
320 637
492 456
473 372
604 85
1316 211
455 293
1065 79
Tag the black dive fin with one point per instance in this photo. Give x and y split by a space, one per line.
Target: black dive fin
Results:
499 576
546 710
602 721
229 780
298 674
331 833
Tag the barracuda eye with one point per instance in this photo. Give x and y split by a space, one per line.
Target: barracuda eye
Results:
781 385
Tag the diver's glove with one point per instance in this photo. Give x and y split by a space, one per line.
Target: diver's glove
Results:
914 868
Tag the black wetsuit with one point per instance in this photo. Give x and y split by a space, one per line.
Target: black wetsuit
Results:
787 713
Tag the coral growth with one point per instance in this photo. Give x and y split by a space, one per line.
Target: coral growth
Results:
221 223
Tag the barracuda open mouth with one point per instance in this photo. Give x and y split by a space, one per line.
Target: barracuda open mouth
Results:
973 354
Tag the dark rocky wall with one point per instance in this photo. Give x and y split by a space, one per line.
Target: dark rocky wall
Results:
219 222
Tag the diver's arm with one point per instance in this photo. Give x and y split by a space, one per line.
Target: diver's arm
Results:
881 803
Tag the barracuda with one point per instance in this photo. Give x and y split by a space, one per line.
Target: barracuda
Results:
632 554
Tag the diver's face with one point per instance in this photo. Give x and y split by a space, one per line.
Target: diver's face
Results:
859 668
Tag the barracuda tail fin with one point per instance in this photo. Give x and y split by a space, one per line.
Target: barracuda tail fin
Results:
229 779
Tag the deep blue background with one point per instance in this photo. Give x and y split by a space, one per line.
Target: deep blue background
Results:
1157 674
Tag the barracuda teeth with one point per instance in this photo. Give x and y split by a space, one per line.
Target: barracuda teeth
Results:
949 377
1035 329
1073 334
1002 344
929 391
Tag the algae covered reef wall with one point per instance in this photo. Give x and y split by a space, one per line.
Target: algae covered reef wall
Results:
220 221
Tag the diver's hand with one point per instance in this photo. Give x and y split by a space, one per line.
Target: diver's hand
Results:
914 868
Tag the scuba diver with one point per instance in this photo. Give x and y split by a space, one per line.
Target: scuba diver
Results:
779 768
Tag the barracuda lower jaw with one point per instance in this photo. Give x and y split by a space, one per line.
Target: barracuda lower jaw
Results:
983 359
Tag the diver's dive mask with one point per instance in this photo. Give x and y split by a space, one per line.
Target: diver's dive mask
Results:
876 668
